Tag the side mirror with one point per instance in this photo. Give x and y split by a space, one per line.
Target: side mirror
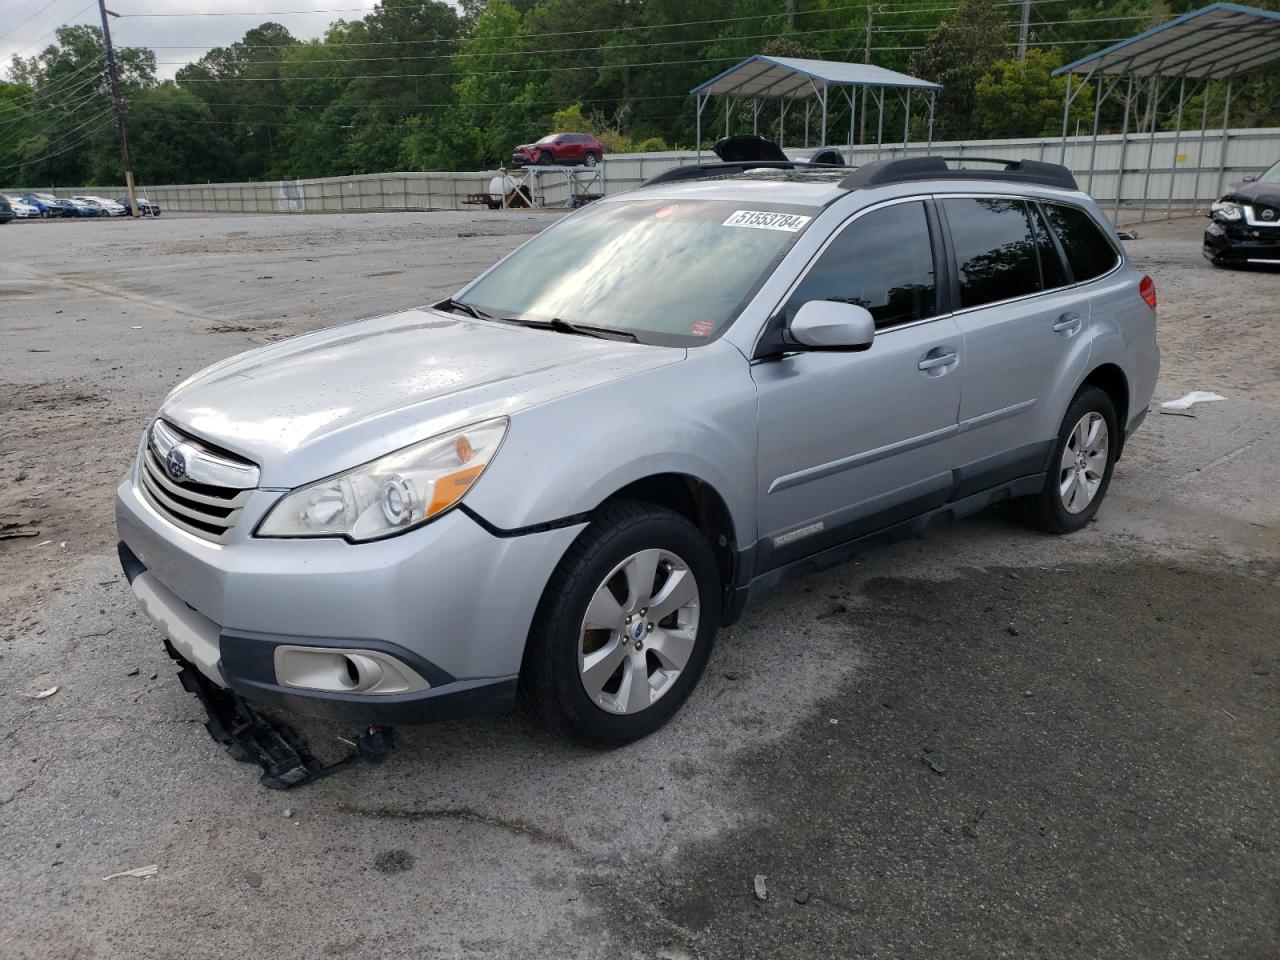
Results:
1251 178
829 325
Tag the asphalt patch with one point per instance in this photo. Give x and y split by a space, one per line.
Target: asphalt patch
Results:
1109 786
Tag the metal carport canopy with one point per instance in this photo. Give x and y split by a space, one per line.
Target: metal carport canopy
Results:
790 80
774 78
1213 43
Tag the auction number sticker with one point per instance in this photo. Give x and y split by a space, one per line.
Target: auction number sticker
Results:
764 220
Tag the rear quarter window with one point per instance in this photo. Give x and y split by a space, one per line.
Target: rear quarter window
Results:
1089 251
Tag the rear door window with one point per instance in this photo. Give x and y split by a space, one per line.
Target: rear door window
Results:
882 261
994 248
1051 269
1088 249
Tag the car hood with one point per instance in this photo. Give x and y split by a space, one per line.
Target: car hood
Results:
320 403
1254 191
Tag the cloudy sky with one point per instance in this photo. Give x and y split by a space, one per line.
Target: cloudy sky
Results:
179 36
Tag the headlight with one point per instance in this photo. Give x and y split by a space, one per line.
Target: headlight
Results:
392 494
1226 210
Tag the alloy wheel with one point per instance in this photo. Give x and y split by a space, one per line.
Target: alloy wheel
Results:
639 631
1084 462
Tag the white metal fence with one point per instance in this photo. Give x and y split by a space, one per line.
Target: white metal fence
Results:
1170 171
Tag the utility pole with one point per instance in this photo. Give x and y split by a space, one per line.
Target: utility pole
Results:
866 58
1023 29
113 74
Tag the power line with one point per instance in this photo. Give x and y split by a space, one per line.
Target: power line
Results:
19 26
48 156
40 39
60 87
526 53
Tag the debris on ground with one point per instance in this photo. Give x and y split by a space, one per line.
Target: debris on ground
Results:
148 871
933 759
762 892
254 880
1190 399
802 896
44 694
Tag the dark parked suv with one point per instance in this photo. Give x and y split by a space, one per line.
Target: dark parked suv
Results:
6 211
1246 223
560 148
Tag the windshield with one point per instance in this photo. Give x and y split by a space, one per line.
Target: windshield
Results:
549 138
673 273
1272 175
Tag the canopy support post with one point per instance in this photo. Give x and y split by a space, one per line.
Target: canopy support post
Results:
1124 148
933 95
1177 142
808 109
1204 131
906 124
1151 142
825 90
755 117
1093 146
727 102
701 102
782 122
879 122
853 110
1066 116
1222 152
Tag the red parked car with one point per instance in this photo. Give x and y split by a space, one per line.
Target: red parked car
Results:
560 148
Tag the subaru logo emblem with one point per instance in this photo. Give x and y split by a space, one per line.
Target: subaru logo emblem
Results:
176 464
1268 214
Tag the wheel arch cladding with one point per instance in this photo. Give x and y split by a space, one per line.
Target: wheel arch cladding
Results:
1111 380
698 502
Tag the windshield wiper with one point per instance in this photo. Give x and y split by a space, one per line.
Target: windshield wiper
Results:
603 333
449 303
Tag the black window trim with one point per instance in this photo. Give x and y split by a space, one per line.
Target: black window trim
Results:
941 271
954 270
1119 254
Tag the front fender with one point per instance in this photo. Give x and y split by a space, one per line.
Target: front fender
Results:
565 457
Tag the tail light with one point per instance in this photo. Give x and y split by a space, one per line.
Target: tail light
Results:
1147 288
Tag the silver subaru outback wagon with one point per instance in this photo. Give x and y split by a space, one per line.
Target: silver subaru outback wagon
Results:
555 486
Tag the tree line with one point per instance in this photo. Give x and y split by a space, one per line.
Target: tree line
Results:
422 86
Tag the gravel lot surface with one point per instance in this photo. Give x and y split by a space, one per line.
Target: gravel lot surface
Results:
982 743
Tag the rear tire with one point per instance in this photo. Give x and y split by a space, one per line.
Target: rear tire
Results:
603 683
590 160
1080 468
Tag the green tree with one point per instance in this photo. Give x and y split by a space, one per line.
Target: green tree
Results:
961 51
1022 99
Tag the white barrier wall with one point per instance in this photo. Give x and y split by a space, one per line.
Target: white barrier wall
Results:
1169 171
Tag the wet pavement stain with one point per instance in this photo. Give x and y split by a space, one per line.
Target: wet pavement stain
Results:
1061 763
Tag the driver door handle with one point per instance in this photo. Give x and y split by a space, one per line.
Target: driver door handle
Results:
934 360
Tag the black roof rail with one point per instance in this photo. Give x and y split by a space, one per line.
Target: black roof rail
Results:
881 172
702 171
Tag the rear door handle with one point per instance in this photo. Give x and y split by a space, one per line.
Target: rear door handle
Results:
1068 323
933 360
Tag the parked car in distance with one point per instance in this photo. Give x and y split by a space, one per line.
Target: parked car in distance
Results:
46 203
566 149
1245 227
21 209
78 208
588 459
6 211
145 206
106 208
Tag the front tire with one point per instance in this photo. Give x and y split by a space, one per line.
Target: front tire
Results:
1080 469
545 159
624 628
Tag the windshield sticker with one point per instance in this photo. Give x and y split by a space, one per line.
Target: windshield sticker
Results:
702 328
666 211
764 220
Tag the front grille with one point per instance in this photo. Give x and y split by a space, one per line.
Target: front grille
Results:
209 491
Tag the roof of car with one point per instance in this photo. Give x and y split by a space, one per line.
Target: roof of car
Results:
799 182
810 187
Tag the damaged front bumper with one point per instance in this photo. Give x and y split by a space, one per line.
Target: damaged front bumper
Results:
246 663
